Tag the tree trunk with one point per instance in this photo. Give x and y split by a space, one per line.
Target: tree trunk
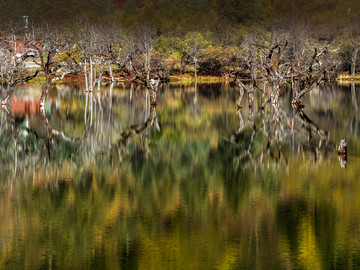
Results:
86 107
15 45
98 86
91 75
147 65
195 62
44 93
86 77
182 66
353 61
356 108
111 72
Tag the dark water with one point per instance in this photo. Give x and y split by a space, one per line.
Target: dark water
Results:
107 182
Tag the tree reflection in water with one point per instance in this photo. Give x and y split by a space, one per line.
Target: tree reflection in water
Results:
270 129
92 142
184 195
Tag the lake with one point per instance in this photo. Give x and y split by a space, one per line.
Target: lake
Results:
106 181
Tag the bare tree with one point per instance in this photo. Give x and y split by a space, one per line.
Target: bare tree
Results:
146 39
13 69
92 43
274 61
51 54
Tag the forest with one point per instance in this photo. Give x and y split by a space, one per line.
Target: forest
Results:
148 42
215 33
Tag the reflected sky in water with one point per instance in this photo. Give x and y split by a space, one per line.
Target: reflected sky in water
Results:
106 181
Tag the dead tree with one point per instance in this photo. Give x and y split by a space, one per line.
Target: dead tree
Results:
52 54
14 53
146 39
257 58
312 70
274 63
131 53
92 41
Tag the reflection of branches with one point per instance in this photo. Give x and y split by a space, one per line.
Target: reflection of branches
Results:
29 130
10 118
119 146
276 127
42 134
309 124
238 103
272 130
44 93
250 92
241 121
37 125
356 108
250 118
110 107
47 136
14 132
238 108
88 105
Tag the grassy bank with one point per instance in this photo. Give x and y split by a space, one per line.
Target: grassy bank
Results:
188 78
200 78
173 79
347 77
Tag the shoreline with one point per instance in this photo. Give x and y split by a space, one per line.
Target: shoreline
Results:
189 78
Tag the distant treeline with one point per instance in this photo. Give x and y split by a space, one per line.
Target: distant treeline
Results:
212 37
169 16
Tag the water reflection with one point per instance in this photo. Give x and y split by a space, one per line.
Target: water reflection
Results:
128 185
271 129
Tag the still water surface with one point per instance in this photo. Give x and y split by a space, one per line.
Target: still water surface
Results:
104 181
